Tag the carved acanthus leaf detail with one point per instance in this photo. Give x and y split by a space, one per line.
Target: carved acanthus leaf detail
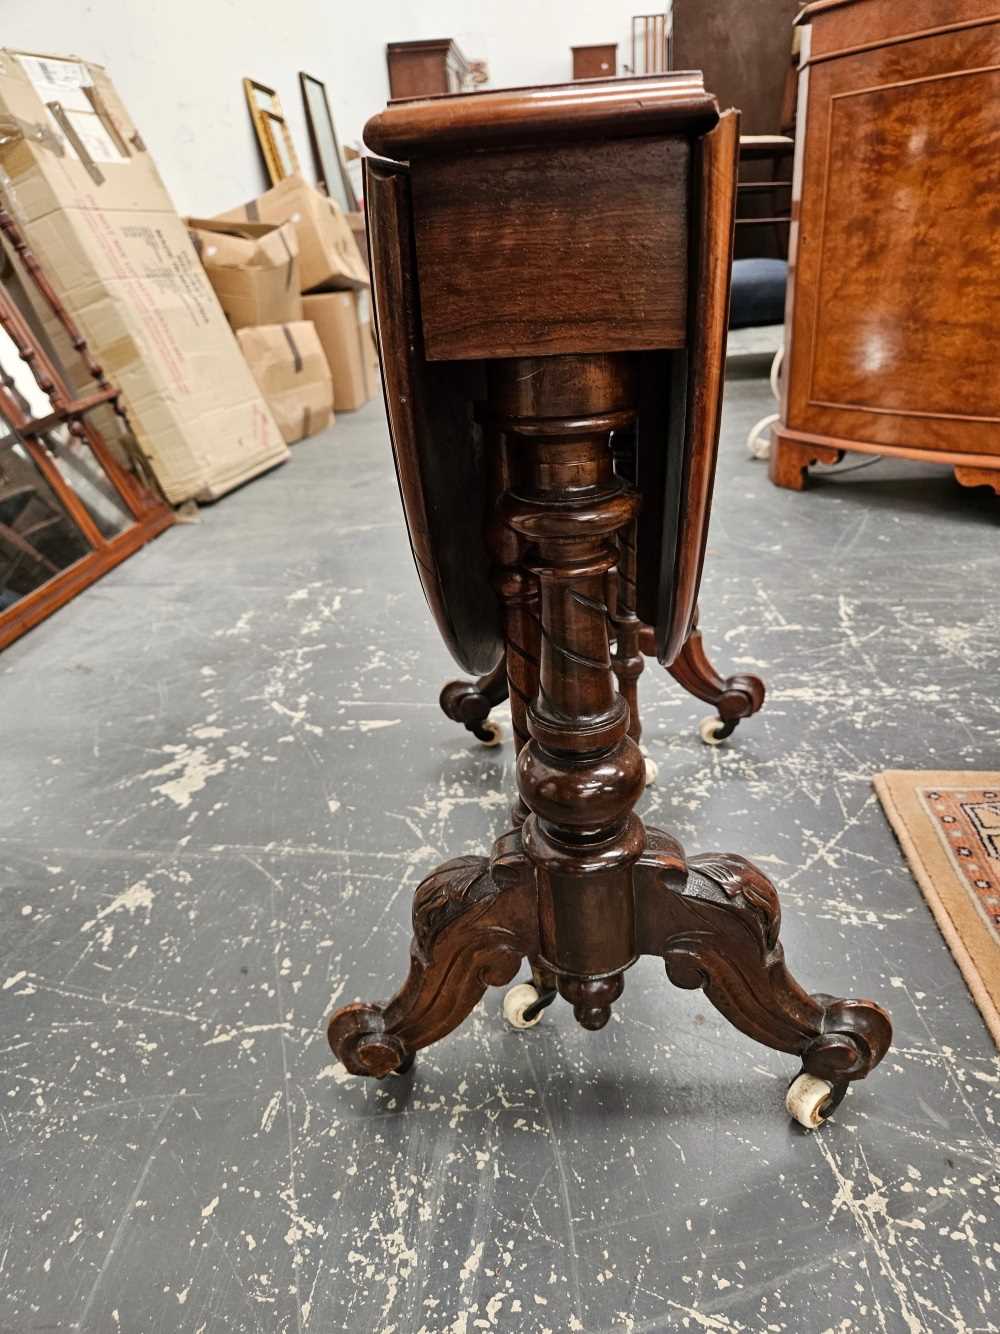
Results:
446 892
738 879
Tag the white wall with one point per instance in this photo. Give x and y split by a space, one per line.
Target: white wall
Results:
178 64
523 41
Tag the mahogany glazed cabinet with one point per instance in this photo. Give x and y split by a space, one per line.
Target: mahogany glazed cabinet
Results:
550 267
894 293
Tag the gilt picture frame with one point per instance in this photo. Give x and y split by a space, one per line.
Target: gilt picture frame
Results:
273 135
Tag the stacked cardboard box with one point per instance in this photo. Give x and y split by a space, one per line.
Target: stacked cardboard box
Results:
290 368
346 337
253 267
77 178
334 283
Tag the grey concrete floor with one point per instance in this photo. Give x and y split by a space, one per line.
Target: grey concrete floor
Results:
223 773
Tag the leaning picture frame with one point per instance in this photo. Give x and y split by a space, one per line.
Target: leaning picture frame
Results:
331 169
271 128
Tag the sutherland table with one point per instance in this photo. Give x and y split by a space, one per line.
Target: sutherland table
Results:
550 271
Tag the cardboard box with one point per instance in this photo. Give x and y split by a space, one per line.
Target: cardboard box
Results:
253 267
328 253
78 180
290 367
348 344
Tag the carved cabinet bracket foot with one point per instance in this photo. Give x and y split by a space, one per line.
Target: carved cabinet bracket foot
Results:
790 460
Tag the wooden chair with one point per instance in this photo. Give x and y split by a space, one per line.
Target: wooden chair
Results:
551 266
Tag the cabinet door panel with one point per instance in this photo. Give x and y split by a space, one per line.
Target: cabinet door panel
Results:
897 294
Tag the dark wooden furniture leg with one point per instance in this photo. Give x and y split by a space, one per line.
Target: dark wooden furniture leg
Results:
470 702
735 697
583 888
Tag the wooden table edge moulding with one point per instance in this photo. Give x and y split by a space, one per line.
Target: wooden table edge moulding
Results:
893 294
550 267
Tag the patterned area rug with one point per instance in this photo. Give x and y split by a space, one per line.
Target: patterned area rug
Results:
948 825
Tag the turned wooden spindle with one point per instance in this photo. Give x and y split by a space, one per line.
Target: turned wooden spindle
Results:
580 774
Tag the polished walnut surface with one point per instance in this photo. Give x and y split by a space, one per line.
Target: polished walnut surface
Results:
894 300
544 542
514 117
483 221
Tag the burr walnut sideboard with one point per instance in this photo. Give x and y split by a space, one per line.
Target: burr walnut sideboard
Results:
550 267
894 293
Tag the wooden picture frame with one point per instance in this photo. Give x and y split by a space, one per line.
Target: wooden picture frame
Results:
271 128
70 508
331 170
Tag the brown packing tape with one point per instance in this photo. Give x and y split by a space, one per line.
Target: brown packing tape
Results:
306 421
296 354
106 119
69 130
291 258
252 211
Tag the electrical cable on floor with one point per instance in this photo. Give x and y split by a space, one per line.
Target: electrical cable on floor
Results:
835 470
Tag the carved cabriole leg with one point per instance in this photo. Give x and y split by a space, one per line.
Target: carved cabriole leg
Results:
473 922
580 774
789 460
470 702
715 922
735 697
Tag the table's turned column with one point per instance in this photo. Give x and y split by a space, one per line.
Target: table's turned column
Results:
581 774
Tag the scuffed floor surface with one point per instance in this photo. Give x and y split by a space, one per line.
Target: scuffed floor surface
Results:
223 773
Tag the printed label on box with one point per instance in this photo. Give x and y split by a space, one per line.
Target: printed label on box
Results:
63 82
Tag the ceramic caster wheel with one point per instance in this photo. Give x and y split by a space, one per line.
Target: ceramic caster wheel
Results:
652 769
810 1101
490 733
712 731
517 1001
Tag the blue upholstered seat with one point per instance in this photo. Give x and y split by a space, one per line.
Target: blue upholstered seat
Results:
758 293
